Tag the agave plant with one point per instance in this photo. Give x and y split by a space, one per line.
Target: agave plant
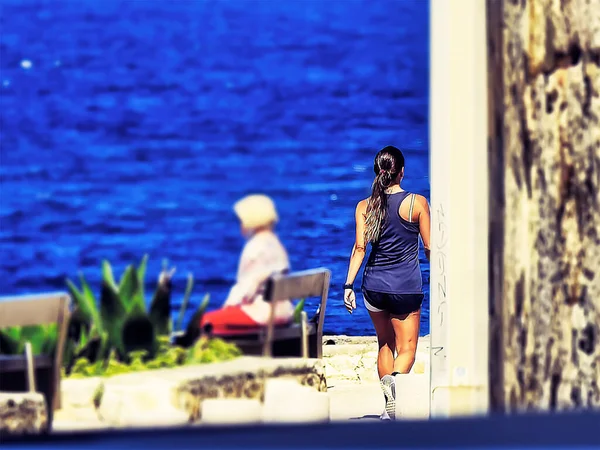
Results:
120 320
117 327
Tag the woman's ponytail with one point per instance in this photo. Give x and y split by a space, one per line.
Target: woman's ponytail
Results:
389 162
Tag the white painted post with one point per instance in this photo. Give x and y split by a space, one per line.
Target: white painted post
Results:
459 202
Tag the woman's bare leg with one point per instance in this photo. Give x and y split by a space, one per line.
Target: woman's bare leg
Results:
386 342
406 331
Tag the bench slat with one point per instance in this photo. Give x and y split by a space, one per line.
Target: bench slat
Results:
31 310
17 363
293 331
308 283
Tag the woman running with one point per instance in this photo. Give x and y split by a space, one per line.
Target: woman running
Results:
391 220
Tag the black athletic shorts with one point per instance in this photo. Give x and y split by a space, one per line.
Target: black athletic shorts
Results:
396 304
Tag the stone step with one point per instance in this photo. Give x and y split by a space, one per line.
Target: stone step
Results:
412 396
286 401
226 411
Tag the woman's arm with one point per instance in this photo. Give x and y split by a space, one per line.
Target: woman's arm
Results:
424 223
360 246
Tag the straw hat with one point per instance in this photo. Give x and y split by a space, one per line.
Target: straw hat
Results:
255 211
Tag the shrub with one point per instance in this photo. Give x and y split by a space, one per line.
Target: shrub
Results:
203 351
118 333
120 323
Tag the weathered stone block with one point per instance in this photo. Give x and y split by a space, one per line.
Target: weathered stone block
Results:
23 413
412 396
244 378
175 396
286 401
139 401
236 411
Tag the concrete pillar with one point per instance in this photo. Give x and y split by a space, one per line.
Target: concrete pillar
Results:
459 208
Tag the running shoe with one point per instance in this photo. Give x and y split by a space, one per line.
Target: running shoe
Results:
385 416
388 385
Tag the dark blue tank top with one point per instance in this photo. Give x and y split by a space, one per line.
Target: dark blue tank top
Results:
393 265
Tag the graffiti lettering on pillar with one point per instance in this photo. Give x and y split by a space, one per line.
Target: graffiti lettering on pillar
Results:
442 287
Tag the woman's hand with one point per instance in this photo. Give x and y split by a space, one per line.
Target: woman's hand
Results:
349 300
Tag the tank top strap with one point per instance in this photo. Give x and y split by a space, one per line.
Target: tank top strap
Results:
394 200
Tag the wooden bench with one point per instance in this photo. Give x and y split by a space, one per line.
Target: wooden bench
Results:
39 373
305 338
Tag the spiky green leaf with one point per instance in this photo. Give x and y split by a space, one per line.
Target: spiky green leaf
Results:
114 314
186 299
36 335
130 292
87 312
50 339
103 346
141 273
298 310
108 275
193 326
83 339
89 305
10 341
160 308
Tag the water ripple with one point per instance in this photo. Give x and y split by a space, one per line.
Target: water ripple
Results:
132 127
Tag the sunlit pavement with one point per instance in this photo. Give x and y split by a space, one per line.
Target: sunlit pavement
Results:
350 400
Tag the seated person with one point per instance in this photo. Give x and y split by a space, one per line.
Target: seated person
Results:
263 255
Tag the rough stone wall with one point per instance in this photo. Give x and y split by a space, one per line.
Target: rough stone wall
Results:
545 222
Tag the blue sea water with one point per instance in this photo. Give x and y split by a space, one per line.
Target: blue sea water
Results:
131 127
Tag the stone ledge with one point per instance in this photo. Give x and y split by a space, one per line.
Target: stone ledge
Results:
245 378
412 396
175 396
